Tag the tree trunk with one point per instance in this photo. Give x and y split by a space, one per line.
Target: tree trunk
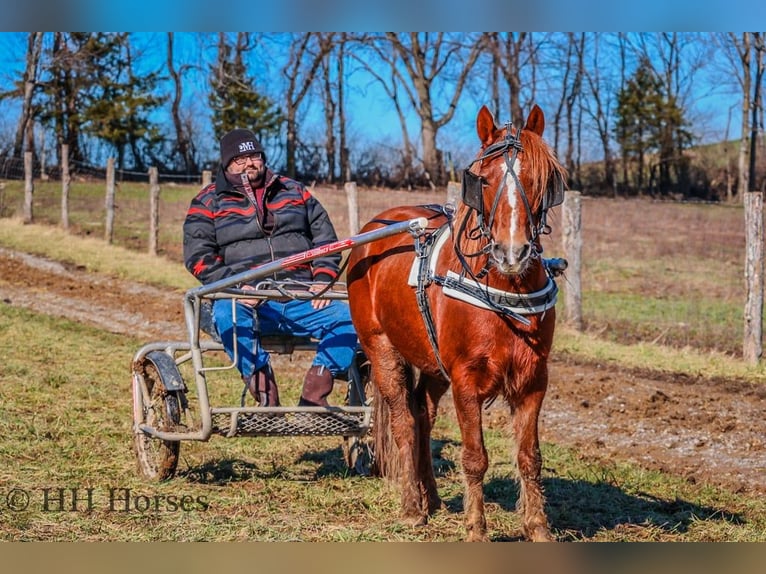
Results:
330 107
572 246
29 187
432 163
758 47
34 48
182 141
345 161
742 163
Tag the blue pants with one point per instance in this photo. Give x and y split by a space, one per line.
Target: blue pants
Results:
331 325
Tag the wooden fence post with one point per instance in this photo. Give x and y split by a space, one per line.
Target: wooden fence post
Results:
154 210
29 186
453 192
752 346
43 155
353 209
65 181
109 231
572 245
207 177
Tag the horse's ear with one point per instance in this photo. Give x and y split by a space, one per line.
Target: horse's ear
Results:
536 121
485 125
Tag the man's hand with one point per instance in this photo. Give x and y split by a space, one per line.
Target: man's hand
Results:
251 302
318 303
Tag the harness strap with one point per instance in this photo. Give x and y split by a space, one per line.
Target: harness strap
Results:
423 248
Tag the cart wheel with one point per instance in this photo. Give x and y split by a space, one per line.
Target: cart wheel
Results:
157 459
358 451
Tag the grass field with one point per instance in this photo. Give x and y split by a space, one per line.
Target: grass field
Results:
66 425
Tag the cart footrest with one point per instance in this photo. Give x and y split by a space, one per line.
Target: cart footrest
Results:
295 421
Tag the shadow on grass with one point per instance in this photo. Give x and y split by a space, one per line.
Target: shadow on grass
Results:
332 463
581 508
220 471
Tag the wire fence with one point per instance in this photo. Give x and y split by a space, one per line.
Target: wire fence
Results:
12 168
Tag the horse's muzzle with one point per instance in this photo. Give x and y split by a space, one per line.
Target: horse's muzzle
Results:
512 261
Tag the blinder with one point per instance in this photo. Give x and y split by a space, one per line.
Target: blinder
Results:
554 195
473 190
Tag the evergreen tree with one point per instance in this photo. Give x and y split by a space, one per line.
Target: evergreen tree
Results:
119 103
649 123
234 100
89 89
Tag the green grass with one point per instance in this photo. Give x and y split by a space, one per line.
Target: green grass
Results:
66 422
94 254
674 320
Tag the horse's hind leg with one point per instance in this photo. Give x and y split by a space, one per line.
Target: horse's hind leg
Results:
393 378
428 393
531 499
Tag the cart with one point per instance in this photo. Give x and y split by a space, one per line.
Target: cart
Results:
166 411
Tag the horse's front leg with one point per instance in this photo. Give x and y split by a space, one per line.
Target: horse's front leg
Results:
529 460
474 460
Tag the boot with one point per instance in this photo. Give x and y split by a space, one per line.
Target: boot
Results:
263 386
317 385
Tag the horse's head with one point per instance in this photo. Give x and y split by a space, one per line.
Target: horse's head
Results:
510 186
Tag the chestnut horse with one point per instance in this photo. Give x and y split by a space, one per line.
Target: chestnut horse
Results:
474 311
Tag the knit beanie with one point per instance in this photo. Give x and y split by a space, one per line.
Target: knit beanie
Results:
239 142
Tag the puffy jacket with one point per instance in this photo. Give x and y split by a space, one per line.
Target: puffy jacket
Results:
225 233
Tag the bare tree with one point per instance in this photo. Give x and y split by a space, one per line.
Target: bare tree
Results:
598 107
511 53
571 87
345 161
759 55
390 84
740 53
307 51
184 144
425 57
330 97
26 120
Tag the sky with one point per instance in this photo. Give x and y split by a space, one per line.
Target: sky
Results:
397 15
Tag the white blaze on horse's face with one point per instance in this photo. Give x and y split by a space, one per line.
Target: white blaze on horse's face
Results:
511 253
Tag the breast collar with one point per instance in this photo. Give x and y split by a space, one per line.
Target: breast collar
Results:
516 305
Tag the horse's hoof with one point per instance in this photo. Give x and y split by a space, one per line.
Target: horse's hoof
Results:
436 505
477 537
416 520
540 534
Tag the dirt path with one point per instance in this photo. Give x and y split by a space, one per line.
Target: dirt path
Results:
708 431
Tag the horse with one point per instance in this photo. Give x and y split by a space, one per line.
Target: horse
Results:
468 304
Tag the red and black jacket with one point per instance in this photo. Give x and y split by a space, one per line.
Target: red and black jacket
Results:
226 233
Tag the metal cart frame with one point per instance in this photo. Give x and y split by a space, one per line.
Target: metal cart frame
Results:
162 417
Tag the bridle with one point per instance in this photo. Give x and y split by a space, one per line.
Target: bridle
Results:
473 196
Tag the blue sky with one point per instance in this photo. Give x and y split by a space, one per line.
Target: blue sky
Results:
373 119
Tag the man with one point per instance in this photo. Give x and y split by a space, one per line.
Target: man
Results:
251 216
